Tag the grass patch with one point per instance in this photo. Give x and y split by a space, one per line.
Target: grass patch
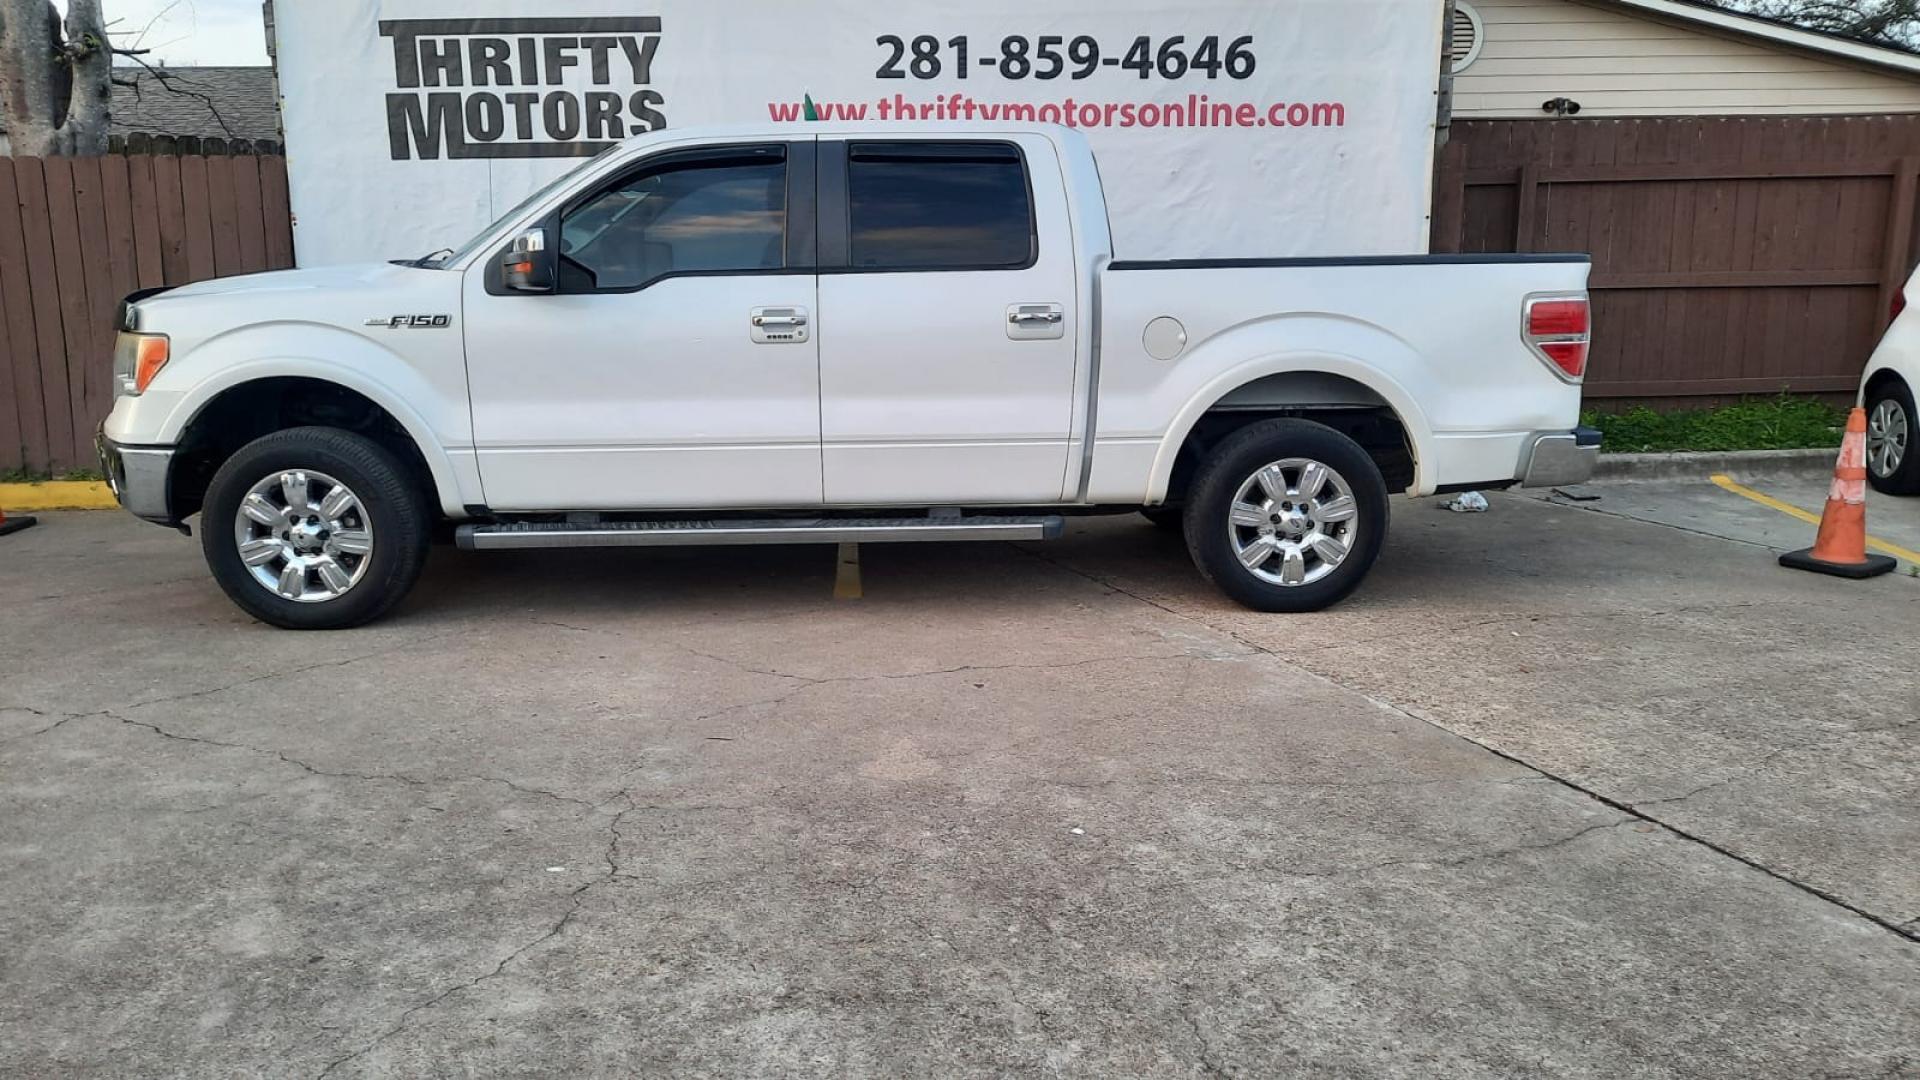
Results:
1782 423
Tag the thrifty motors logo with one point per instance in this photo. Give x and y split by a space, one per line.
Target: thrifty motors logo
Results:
511 86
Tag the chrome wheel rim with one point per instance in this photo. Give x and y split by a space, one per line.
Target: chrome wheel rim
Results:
304 536
1293 522
1887 431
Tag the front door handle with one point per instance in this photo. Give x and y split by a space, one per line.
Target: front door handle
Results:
1036 322
778 325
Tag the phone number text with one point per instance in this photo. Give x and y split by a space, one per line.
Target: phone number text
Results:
1050 56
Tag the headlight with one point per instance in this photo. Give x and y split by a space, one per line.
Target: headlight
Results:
137 358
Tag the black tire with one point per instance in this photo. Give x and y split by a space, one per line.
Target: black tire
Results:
1165 517
395 507
1903 479
1234 462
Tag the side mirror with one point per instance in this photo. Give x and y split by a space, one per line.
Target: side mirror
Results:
526 266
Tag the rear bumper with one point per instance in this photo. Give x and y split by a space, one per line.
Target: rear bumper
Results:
139 477
1558 458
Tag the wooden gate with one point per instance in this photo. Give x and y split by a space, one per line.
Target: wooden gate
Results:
77 235
1731 256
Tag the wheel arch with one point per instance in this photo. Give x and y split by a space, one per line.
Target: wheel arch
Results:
1879 378
220 418
1300 379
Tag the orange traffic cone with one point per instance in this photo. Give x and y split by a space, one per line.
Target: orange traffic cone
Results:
1840 548
15 524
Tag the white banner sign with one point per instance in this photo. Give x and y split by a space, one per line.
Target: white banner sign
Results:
1251 128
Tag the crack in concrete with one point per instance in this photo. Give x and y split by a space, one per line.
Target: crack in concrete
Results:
842 680
1909 931
1247 781
614 837
1504 620
1042 1018
1208 1063
283 673
1462 860
575 898
401 778
1745 772
739 665
928 932
1588 509
30 710
1060 665
804 683
1108 584
65 718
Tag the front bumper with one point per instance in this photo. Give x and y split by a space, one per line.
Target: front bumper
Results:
1560 458
139 477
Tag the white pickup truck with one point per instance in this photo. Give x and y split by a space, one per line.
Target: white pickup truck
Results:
841 333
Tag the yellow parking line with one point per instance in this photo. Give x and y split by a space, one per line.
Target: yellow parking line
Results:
846 579
57 495
1792 511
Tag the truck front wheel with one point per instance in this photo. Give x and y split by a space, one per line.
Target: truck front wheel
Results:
314 529
1287 516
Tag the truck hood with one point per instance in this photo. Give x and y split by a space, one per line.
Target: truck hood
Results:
349 298
358 277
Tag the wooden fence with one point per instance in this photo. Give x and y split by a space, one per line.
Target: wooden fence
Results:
1731 256
79 234
141 143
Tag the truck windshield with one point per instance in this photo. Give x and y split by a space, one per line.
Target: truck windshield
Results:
519 208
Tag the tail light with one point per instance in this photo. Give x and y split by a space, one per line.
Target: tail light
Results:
1559 329
1899 305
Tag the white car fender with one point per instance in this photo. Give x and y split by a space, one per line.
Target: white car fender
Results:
345 359
1311 343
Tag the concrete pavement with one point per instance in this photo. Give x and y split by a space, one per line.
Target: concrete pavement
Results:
1558 793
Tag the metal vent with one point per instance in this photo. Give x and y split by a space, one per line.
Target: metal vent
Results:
1467 36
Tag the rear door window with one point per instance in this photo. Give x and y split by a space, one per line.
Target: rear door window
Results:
938 206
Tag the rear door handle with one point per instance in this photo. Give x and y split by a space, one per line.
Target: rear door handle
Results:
778 325
1036 322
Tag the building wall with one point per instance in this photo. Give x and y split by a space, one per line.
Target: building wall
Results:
1619 64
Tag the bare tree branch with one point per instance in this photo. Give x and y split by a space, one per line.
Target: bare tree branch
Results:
170 81
140 35
1892 23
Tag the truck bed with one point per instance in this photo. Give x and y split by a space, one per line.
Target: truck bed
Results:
1436 338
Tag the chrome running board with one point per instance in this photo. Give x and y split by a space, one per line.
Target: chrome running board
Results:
560 534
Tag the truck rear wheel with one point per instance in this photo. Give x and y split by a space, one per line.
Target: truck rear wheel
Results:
1287 516
314 529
